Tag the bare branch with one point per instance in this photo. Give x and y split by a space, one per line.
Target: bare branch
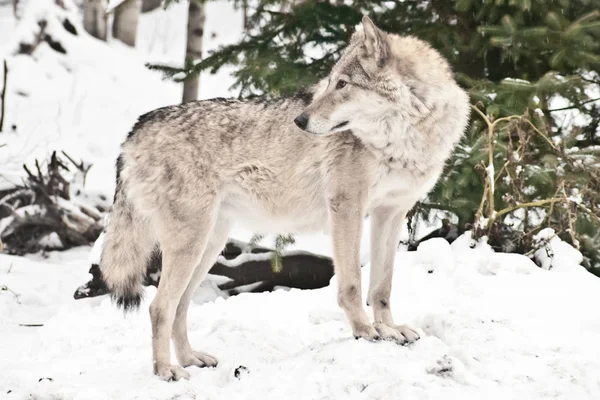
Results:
3 96
537 203
575 106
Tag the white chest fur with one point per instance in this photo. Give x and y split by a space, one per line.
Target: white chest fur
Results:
400 187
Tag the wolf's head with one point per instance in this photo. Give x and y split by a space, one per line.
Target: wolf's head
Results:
379 80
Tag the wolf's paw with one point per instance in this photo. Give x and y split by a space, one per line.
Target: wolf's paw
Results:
199 359
401 334
366 332
171 373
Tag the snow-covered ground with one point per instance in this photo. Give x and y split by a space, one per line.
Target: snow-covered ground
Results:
493 326
85 101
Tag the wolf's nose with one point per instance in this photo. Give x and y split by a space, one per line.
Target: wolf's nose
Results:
301 121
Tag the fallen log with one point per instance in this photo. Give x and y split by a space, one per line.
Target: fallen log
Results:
248 269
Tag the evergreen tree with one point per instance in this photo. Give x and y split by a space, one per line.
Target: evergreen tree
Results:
518 59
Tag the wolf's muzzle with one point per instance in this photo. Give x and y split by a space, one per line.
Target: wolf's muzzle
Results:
301 121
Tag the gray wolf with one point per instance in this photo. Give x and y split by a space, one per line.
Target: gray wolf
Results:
370 139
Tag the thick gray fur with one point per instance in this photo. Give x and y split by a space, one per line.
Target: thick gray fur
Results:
375 136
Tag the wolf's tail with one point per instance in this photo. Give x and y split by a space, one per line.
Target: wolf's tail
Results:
128 245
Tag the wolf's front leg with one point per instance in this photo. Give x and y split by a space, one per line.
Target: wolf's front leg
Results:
346 218
386 224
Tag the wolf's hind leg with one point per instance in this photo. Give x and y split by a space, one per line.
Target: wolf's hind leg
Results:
183 349
386 224
183 238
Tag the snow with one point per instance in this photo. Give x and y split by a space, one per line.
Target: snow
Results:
86 101
516 80
51 241
553 253
493 326
573 117
112 4
164 40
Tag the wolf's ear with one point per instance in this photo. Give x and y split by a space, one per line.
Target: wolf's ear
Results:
375 41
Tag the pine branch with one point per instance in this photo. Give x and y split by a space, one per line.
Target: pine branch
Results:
589 212
594 81
575 106
281 242
167 70
255 240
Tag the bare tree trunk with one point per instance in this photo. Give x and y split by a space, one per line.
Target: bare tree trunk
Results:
193 52
94 18
15 4
150 5
125 21
3 95
245 12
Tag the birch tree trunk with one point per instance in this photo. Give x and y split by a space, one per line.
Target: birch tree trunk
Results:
126 16
94 18
193 52
15 4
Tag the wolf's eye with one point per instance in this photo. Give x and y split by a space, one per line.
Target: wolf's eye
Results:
340 84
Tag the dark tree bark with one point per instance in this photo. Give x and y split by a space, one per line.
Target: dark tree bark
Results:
150 5
3 95
245 14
